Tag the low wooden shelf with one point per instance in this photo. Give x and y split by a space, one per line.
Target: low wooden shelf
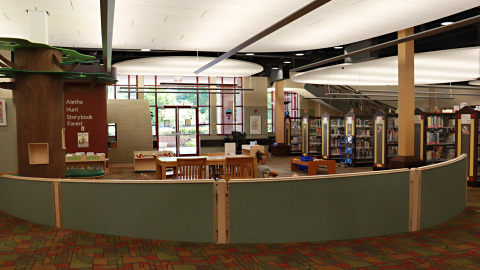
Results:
250 150
86 161
145 160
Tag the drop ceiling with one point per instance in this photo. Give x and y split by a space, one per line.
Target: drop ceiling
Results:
185 66
430 68
220 25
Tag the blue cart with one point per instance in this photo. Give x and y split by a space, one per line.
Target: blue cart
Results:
347 144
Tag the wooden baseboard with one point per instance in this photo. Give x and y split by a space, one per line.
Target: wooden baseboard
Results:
121 165
1 173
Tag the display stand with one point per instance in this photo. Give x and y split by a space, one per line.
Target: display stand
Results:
145 160
385 143
315 136
466 137
96 162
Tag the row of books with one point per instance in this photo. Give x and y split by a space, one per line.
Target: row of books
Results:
296 130
435 121
433 155
392 151
315 123
366 153
392 136
81 154
315 140
363 132
315 148
335 152
363 144
362 122
392 122
433 137
335 131
337 122
335 142
296 147
297 139
101 168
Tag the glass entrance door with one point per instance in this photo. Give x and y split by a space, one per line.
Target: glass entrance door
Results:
177 130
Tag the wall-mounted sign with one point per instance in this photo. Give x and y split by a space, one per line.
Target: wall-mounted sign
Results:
466 118
255 124
82 139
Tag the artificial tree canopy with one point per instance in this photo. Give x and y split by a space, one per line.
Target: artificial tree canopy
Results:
67 76
10 44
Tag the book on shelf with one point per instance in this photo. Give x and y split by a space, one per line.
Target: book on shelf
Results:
392 135
435 121
392 151
451 138
450 154
392 122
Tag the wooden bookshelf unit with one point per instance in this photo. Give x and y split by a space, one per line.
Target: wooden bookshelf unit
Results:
78 162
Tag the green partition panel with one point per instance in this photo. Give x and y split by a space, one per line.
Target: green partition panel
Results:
443 193
179 212
319 209
29 200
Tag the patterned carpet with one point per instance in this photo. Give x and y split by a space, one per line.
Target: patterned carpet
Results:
454 244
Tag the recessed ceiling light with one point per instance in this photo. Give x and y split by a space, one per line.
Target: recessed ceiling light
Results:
274 67
338 47
249 54
287 62
446 23
145 50
299 54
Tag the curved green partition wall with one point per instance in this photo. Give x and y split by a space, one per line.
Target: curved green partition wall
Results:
27 199
327 208
167 211
443 192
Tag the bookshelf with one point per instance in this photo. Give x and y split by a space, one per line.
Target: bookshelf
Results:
385 139
315 136
93 162
361 128
466 137
437 142
332 129
293 134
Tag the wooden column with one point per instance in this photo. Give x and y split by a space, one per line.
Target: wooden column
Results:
40 114
406 104
279 112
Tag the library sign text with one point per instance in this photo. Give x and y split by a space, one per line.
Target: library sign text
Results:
74 158
77 119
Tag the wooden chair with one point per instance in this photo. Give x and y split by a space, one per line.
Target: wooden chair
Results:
215 171
239 167
191 168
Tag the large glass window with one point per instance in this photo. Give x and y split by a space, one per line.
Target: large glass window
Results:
292 105
123 81
270 112
229 107
183 98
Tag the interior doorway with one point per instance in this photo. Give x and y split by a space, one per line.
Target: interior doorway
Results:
178 130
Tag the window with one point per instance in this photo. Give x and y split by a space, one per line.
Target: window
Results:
229 107
270 112
123 81
202 101
292 107
112 131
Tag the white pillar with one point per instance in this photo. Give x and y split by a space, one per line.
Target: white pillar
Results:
38 26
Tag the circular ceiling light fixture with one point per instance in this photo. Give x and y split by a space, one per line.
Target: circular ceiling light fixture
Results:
300 54
274 67
145 50
249 54
286 61
446 23
475 82
338 47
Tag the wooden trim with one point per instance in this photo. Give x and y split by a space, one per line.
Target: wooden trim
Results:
441 164
57 204
215 211
7 173
414 199
222 211
63 139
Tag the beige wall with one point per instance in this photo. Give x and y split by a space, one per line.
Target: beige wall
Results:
258 97
134 129
321 109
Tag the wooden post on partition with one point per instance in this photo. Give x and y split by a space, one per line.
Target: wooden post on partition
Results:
57 204
222 200
279 112
415 199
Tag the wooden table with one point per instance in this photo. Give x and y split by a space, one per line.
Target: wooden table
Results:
312 165
162 163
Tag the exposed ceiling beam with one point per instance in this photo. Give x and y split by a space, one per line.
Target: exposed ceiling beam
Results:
378 95
427 33
173 92
191 89
290 18
107 11
462 87
426 93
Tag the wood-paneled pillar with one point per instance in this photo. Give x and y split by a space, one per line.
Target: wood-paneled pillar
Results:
406 105
279 112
